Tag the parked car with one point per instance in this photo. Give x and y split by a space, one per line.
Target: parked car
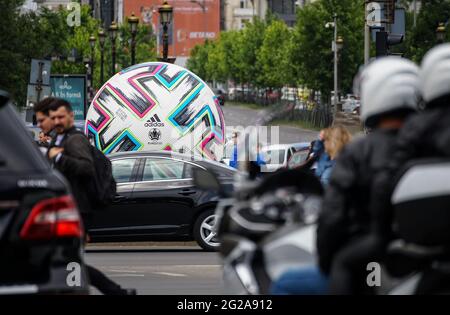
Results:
350 104
278 155
40 227
157 201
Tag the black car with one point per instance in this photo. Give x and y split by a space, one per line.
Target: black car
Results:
41 233
157 201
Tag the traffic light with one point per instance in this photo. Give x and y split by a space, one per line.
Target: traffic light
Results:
384 41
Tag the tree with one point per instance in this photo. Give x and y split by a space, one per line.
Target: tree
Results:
198 60
423 37
47 33
21 39
273 56
252 41
311 53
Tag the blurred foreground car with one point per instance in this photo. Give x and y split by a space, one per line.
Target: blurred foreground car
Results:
157 200
41 233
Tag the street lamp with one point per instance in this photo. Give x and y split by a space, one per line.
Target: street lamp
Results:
336 46
133 21
92 41
113 28
101 40
165 13
440 32
339 43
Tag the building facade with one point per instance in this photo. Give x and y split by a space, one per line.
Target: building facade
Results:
284 9
238 12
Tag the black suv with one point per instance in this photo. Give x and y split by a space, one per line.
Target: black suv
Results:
41 233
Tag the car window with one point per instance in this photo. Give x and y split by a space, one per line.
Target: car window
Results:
274 156
298 158
123 169
162 169
188 170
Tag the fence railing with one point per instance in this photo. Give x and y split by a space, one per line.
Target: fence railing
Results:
312 114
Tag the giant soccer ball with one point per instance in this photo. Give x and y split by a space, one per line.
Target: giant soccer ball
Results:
156 106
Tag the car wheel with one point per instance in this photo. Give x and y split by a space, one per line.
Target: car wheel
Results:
204 232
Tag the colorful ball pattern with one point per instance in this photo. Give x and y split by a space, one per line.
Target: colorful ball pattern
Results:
156 106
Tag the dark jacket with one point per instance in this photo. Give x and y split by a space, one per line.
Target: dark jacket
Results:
345 214
424 135
77 166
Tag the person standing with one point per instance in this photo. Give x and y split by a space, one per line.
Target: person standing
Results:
335 139
70 152
44 122
234 157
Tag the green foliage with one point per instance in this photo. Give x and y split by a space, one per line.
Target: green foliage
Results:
35 36
273 57
311 52
267 54
423 37
19 41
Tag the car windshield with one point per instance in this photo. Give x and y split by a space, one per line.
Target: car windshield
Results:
274 156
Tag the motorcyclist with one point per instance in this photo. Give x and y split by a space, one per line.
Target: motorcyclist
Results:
345 219
389 95
426 135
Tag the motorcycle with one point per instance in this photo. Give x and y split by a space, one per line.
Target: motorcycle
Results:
419 260
267 228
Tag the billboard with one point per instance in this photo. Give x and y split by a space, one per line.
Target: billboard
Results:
191 24
71 88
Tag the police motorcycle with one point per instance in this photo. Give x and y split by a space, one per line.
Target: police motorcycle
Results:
266 229
266 226
418 262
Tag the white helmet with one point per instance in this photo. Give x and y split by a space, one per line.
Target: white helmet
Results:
435 73
386 85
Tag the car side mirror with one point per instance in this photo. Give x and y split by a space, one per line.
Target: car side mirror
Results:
206 180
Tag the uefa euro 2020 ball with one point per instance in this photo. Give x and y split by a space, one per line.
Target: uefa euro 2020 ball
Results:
156 106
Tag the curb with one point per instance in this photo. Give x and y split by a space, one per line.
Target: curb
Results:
139 244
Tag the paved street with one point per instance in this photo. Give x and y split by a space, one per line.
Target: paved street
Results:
241 116
165 270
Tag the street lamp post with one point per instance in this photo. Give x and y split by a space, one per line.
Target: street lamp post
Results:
133 21
92 41
101 40
440 33
113 35
338 46
165 13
